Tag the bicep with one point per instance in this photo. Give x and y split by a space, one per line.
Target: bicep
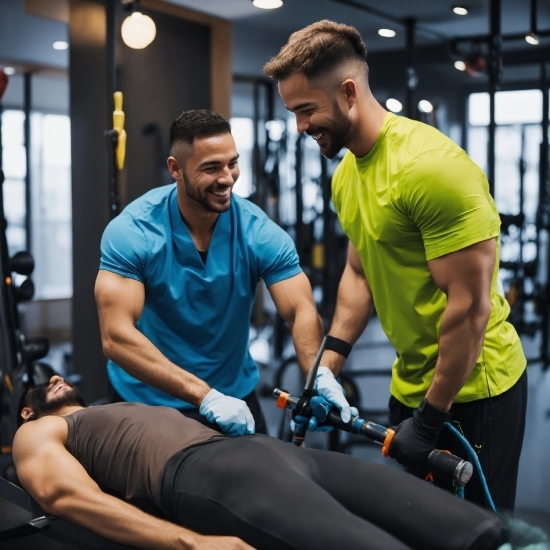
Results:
468 271
48 471
354 261
119 299
292 294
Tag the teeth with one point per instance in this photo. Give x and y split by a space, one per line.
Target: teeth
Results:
220 193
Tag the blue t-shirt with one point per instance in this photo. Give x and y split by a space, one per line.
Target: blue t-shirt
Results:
196 314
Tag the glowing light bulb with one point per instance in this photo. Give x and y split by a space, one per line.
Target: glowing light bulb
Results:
386 33
394 105
425 106
532 39
267 4
460 10
138 30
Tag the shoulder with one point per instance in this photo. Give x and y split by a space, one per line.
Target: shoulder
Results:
37 432
247 210
149 207
415 138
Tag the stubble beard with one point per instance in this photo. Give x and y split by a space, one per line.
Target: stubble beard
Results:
202 197
338 134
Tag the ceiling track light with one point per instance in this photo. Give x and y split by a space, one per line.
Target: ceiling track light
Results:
267 4
138 30
460 10
531 37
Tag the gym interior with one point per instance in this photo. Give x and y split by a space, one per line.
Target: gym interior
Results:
477 71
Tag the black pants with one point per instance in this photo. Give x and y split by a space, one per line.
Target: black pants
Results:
278 496
495 428
251 400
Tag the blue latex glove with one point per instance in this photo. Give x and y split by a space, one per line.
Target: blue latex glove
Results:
321 409
232 415
327 387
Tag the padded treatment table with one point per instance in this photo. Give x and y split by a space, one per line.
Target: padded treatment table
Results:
24 525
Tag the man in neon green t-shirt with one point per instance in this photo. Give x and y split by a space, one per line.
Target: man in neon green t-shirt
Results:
424 248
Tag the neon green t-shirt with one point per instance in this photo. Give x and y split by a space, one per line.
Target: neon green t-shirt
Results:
415 197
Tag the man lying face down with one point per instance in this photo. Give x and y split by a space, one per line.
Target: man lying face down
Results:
149 477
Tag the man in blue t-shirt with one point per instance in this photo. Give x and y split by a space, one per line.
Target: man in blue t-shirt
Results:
177 280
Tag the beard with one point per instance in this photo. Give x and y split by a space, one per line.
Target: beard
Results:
42 407
203 197
338 133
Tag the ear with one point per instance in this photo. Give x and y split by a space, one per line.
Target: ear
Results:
349 91
174 168
27 413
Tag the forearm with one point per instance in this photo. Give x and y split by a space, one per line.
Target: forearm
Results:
135 353
307 333
354 307
116 520
461 338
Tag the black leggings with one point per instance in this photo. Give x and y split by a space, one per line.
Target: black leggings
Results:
278 496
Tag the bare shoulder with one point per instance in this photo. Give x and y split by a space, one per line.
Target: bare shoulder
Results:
49 429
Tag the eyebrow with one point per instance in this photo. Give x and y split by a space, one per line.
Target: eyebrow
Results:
301 106
210 163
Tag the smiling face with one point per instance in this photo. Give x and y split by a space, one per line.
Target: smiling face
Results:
206 171
49 398
317 112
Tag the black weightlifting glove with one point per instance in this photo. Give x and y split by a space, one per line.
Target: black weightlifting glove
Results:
415 437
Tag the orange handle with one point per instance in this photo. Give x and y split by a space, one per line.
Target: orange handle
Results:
282 399
387 442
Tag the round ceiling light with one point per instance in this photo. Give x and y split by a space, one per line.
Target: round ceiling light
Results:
425 106
386 33
532 39
460 10
394 105
9 70
267 4
60 45
460 65
138 30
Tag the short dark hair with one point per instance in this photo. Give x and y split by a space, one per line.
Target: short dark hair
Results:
197 123
25 400
317 49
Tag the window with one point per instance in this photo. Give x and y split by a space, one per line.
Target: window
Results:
51 237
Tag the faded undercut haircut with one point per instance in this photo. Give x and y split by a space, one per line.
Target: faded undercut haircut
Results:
317 49
197 123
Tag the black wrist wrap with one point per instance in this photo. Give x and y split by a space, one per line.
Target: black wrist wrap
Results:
337 345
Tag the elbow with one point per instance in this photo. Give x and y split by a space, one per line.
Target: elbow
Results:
49 501
480 312
108 345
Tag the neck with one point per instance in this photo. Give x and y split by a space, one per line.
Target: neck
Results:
199 221
370 119
67 409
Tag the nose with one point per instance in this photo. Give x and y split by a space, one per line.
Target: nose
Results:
302 123
226 176
54 380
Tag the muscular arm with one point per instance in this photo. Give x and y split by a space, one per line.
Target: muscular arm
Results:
294 302
465 277
120 303
354 307
59 483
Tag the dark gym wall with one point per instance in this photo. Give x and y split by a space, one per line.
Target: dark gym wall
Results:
159 82
173 74
89 119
